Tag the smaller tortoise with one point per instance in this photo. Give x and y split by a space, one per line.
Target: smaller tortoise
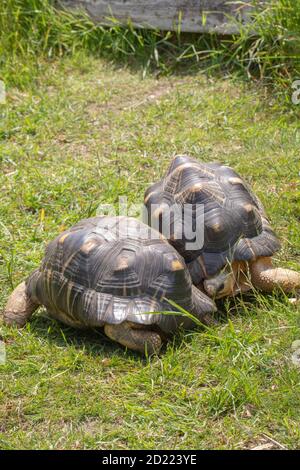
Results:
238 242
112 272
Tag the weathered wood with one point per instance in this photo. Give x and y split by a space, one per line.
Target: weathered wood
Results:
186 15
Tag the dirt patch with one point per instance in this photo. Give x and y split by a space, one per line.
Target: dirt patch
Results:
132 99
264 442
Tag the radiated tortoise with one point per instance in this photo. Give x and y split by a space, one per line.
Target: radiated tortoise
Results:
238 241
116 273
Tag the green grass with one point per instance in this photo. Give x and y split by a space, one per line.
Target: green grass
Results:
34 30
86 133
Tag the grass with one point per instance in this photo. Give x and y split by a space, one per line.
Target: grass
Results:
85 133
34 30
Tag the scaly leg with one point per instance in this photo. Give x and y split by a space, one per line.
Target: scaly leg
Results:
19 307
267 278
133 336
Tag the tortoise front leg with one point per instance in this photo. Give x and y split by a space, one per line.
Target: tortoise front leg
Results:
19 307
134 337
266 277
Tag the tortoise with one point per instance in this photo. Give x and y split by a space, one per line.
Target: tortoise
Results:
238 241
116 273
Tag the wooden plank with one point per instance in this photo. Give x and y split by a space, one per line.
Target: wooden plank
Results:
188 15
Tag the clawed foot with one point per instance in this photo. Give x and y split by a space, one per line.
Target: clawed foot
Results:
135 337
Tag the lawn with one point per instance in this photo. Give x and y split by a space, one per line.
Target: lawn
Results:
85 134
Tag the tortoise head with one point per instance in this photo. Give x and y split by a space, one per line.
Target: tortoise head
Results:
232 280
223 284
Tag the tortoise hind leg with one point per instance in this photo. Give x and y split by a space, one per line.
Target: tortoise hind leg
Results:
135 337
19 307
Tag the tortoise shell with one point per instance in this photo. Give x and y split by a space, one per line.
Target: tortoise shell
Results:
236 227
112 269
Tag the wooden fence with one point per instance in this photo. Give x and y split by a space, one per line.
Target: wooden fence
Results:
185 15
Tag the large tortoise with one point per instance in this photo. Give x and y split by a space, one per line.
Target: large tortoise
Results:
111 272
238 241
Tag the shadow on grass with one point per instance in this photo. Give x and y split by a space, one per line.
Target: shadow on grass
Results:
95 342
92 340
